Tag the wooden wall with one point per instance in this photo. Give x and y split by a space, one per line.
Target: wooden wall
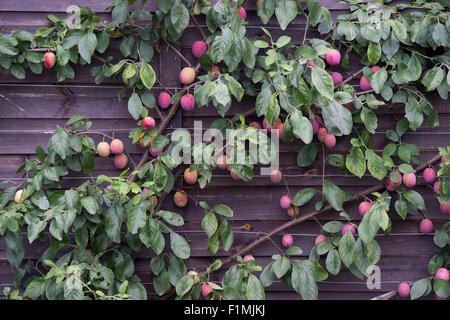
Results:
405 253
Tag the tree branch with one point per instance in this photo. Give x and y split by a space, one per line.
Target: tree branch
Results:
312 214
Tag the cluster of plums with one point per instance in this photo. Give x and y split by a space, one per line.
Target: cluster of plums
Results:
322 133
410 180
104 149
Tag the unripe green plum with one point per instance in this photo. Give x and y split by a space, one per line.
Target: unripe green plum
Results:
103 149
18 196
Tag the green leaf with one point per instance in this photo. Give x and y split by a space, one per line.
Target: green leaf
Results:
281 266
334 195
135 106
419 288
209 223
147 74
35 288
60 143
301 126
120 13
347 248
334 114
265 10
355 162
307 155
370 119
90 204
179 246
136 218
303 197
333 227
303 282
378 80
374 52
441 238
87 45
415 198
323 82
375 164
221 45
223 210
254 290
315 12
333 262
433 78
285 11
179 16
171 217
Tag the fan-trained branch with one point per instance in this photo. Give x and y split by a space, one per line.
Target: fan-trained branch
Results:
312 214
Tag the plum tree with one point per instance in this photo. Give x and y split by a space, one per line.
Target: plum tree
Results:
321 134
164 100
436 187
442 273
348 227
333 57
103 149
274 125
206 289
337 78
285 201
287 240
18 196
148 122
248 257
222 162
195 274
409 179
364 83
429 175
187 75
445 208
242 13
392 186
276 176
154 153
235 176
120 160
255 125
199 48
188 102
426 226
280 130
49 60
117 146
364 207
403 289
190 176
330 140
180 198
319 239
293 211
